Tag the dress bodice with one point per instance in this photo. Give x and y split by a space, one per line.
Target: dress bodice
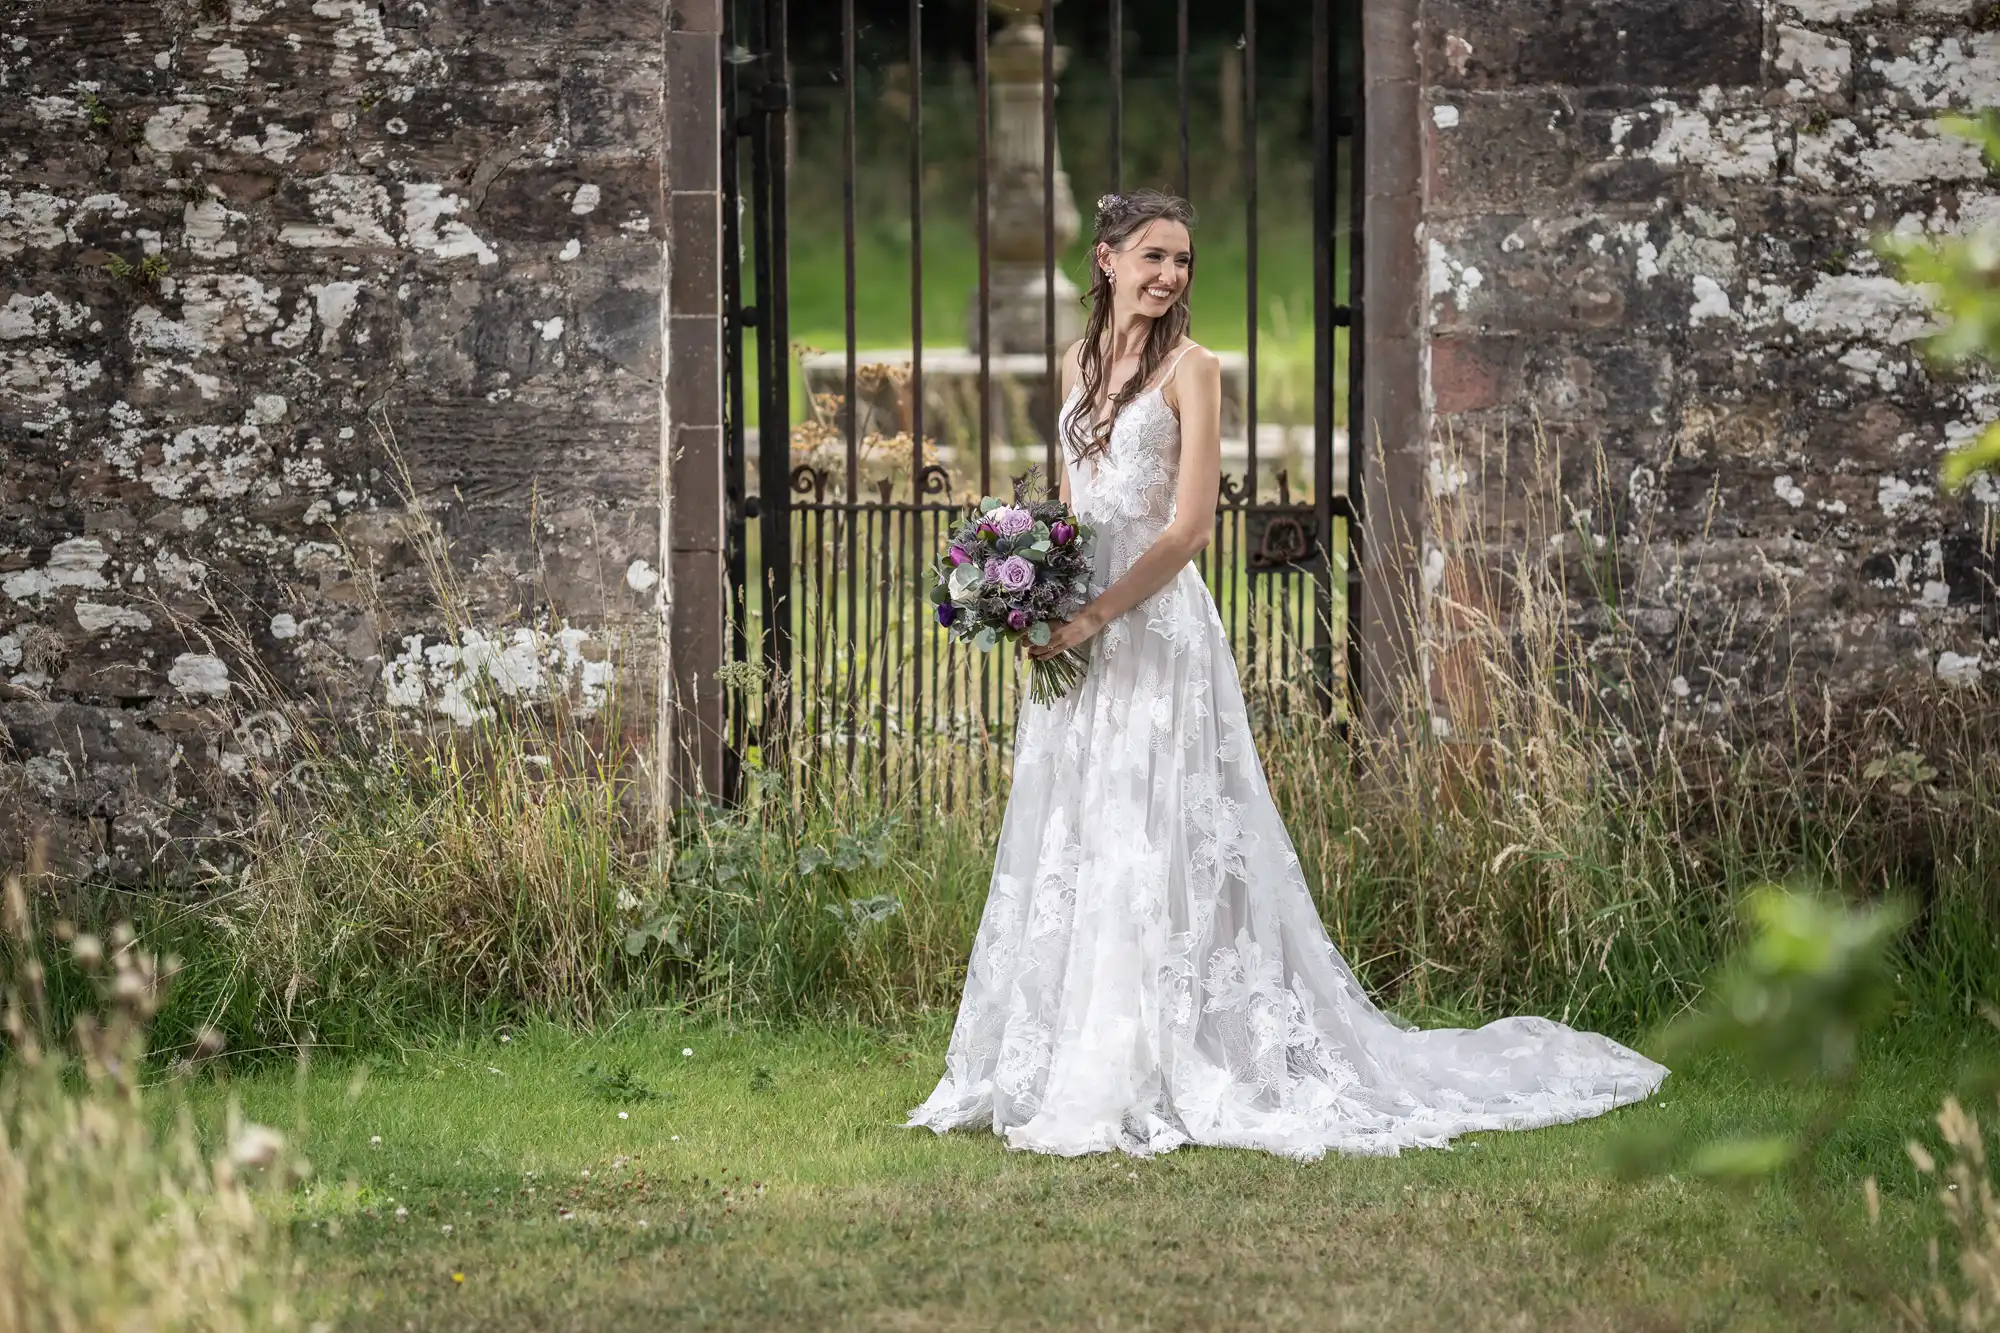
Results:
1128 491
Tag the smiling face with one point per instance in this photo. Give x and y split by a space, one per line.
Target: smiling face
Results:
1152 269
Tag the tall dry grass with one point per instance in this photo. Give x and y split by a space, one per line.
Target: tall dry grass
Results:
105 1222
1969 1198
1573 843
1552 824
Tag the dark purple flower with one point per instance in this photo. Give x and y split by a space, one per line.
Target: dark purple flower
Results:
987 533
1017 619
1060 532
946 613
958 554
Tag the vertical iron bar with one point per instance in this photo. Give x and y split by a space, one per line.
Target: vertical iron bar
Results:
774 382
917 636
735 698
777 316
1181 84
1250 220
823 631
1325 49
1050 391
1117 96
982 22
953 747
883 547
1357 300
851 498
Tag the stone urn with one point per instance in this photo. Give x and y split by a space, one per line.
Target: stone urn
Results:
1015 213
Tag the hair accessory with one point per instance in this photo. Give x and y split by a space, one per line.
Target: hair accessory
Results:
1107 201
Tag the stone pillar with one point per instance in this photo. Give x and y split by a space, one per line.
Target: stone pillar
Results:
694 603
1018 223
1394 437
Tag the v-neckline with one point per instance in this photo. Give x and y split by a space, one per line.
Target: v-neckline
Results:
1173 364
1143 394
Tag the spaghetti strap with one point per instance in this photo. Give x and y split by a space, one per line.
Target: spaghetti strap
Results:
1174 365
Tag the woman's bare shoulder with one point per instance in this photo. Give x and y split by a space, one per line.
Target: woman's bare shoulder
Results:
1193 356
1191 359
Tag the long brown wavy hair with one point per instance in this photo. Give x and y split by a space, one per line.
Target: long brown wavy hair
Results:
1120 217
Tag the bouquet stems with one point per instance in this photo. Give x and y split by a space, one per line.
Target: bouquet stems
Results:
1050 678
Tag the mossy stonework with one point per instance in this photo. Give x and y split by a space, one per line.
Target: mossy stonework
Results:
1647 239
258 256
258 251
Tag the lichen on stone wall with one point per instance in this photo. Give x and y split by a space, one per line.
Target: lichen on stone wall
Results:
1671 212
266 262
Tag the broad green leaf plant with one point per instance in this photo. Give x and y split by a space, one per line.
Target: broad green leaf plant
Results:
1962 276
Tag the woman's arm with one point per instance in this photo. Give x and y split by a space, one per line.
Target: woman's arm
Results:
1197 385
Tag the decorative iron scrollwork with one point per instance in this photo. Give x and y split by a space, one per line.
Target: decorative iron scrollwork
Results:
1234 492
1281 543
808 479
933 480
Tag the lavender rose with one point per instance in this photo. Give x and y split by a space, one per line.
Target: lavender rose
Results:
1014 573
1017 619
1010 520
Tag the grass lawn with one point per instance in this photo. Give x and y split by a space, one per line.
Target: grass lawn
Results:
767 1184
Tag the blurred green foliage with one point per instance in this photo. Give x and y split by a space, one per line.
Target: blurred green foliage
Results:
1963 274
1811 978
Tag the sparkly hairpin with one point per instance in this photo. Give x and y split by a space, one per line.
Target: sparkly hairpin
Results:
1106 202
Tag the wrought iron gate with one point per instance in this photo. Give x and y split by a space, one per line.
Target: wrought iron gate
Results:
836 662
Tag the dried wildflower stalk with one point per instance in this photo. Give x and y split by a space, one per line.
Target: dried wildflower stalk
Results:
104 1224
1971 1205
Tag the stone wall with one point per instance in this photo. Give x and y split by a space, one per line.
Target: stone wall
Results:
258 257
1646 246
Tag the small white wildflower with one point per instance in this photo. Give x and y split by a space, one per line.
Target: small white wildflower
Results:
447 1228
504 1039
374 1140
687 1050
402 1211
623 1116
643 1224
674 1138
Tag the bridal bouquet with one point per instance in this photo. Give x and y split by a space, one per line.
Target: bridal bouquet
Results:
1012 572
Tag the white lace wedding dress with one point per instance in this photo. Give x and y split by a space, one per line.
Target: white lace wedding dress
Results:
1150 970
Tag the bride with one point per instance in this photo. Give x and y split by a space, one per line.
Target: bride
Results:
1150 970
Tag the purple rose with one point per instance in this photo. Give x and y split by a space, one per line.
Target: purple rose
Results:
958 554
946 614
1060 532
1010 521
1017 619
1014 573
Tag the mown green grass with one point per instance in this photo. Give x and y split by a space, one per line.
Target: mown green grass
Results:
768 1184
